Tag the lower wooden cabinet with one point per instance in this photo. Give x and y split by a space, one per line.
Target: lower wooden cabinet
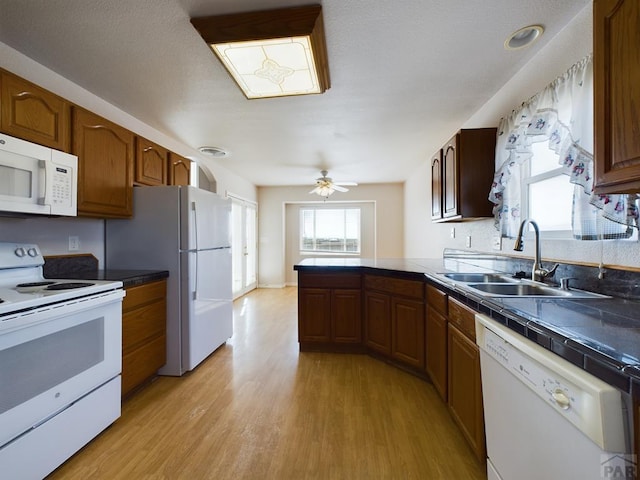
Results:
377 313
407 331
463 378
394 318
329 312
144 318
436 346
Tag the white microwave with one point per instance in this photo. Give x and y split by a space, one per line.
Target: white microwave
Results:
36 179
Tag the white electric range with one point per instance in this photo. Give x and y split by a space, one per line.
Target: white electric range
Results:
60 353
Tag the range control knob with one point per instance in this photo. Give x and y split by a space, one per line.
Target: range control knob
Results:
561 399
20 252
32 252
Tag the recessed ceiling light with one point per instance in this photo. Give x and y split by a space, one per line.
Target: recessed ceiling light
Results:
523 37
215 152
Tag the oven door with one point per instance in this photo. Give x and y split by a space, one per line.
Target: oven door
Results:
54 355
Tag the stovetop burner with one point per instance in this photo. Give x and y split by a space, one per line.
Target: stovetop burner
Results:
34 284
68 286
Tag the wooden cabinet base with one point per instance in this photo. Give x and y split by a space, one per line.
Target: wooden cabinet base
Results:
331 347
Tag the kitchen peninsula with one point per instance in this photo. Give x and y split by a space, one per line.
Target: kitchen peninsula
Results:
406 312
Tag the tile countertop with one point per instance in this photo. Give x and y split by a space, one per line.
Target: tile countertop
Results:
600 335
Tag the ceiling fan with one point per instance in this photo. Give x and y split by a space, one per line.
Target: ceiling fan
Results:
325 186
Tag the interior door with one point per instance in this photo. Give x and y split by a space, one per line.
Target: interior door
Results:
244 247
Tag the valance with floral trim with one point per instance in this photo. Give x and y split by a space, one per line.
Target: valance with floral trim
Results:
562 115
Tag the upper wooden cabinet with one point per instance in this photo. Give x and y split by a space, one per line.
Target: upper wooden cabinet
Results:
466 171
151 163
179 169
436 186
32 113
616 49
105 165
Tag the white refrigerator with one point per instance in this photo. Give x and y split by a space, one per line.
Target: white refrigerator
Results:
184 230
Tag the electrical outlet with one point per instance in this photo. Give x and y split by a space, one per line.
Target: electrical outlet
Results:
74 243
468 241
453 232
497 242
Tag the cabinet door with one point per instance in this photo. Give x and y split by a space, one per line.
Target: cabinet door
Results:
450 179
436 345
407 331
314 315
152 163
346 316
465 389
179 169
617 95
378 322
144 318
32 113
105 166
436 186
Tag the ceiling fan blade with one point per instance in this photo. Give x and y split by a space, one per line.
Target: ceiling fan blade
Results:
338 188
347 184
315 190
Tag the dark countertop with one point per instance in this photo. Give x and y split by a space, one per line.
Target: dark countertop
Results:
129 278
601 335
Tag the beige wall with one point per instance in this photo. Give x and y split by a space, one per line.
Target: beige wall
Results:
272 201
426 239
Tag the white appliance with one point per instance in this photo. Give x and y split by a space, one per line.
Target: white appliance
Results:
60 357
545 417
184 230
36 179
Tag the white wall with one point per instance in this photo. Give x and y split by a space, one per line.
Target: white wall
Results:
271 213
426 239
52 234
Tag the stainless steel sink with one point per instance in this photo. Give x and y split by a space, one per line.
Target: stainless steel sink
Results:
528 290
479 278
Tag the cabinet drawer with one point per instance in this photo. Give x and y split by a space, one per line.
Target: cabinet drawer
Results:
142 363
462 317
328 280
395 286
143 294
142 324
437 299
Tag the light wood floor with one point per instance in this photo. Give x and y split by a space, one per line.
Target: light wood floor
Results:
259 409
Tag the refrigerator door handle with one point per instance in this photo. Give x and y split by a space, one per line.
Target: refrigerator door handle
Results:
195 283
195 223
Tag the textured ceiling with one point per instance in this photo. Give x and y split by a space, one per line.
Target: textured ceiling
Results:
405 75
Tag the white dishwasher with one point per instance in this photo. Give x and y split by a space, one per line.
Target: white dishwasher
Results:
545 418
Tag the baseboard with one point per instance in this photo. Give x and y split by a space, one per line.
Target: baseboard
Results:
271 285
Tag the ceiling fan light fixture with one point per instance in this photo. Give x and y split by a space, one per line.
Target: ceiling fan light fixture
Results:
215 152
523 37
271 53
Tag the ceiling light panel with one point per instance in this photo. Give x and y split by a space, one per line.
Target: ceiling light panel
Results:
271 53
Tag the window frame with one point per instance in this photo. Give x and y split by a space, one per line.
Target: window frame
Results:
315 251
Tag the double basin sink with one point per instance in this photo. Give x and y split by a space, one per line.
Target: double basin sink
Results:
497 285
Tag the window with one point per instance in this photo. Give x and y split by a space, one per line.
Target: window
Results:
330 230
545 189
549 198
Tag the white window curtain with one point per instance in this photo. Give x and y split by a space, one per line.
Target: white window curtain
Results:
562 116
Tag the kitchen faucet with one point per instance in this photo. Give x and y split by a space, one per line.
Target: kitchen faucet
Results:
538 272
